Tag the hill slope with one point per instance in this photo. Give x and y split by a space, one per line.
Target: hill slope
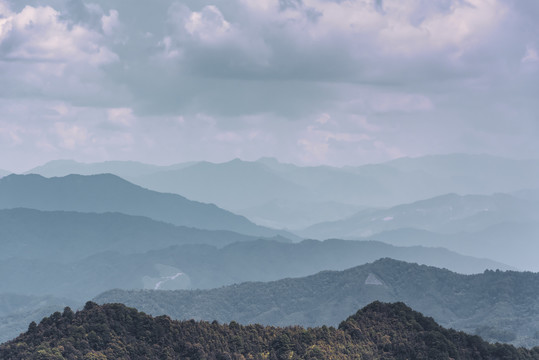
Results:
205 266
389 331
68 236
449 213
272 193
109 193
513 243
500 305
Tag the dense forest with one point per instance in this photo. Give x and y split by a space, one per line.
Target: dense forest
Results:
378 331
498 305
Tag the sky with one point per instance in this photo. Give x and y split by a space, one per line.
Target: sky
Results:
337 82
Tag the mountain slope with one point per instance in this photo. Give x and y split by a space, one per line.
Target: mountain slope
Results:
109 193
449 213
233 185
204 266
69 236
124 169
513 243
17 311
389 331
501 305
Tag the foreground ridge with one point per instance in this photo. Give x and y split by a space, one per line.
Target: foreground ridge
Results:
378 331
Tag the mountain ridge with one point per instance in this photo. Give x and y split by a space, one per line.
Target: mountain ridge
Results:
110 193
474 303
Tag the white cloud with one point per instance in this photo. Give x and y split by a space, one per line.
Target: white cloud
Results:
110 22
38 34
71 136
328 81
208 25
120 116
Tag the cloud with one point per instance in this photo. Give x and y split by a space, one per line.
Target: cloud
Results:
531 55
317 81
38 34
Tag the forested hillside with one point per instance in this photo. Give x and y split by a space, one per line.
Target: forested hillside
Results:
378 331
498 305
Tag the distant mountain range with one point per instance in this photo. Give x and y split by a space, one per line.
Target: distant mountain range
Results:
4 173
205 266
501 306
513 243
449 213
68 236
267 191
109 193
378 331
17 311
124 169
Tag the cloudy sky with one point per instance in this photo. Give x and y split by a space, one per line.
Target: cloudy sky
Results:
306 81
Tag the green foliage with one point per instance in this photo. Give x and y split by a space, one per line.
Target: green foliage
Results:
498 305
378 331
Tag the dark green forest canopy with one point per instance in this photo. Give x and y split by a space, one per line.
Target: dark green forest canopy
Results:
378 331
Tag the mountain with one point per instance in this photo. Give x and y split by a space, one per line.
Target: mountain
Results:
124 169
205 266
15 303
233 185
276 194
4 173
113 331
17 311
109 193
449 213
499 305
68 236
513 243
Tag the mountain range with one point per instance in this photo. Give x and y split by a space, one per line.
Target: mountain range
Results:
513 243
378 331
67 236
205 266
109 193
264 190
501 306
450 213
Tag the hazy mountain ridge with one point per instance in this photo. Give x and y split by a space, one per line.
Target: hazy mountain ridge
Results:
69 236
205 266
501 305
17 311
450 213
246 187
513 243
109 193
123 169
390 331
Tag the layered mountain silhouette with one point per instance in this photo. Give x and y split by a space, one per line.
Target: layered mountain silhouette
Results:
499 305
109 193
123 169
379 330
67 236
266 189
205 266
513 243
449 213
17 311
